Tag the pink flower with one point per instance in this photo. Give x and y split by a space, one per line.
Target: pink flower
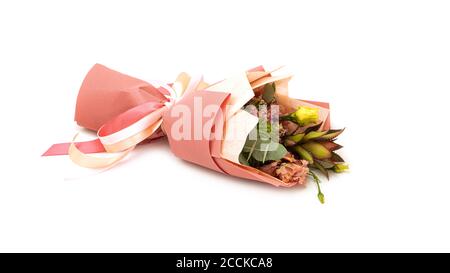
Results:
295 172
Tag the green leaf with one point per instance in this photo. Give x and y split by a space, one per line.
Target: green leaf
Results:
311 127
265 147
264 131
336 158
267 151
269 92
331 146
304 154
321 169
243 159
249 146
325 163
312 135
296 138
319 151
331 134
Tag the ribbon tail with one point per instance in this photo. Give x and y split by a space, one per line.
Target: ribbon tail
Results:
119 136
115 152
95 162
88 147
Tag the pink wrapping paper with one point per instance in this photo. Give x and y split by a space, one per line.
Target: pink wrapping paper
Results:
105 94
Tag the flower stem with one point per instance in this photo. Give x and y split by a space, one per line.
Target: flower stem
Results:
286 117
316 179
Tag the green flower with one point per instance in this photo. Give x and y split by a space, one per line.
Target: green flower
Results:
306 115
340 167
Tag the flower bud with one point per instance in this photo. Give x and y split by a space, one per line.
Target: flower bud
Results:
306 115
340 167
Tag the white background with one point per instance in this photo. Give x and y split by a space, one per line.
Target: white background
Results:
383 65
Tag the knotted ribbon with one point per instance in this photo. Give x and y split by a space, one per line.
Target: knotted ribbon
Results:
120 135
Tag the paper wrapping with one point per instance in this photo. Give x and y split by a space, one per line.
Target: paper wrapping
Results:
109 101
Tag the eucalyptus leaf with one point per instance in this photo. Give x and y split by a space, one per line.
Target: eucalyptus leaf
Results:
262 145
243 159
269 151
269 92
264 132
249 146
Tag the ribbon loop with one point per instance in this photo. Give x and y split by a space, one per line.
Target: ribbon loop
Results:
120 135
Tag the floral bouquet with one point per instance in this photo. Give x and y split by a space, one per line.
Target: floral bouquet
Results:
245 125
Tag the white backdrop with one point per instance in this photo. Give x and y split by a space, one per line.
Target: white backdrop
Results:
383 65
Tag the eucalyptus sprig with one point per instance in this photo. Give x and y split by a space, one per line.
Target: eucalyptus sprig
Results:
269 92
261 146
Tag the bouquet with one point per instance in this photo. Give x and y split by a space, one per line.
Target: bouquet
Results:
245 125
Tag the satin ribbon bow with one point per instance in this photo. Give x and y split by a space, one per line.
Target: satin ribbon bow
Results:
119 136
